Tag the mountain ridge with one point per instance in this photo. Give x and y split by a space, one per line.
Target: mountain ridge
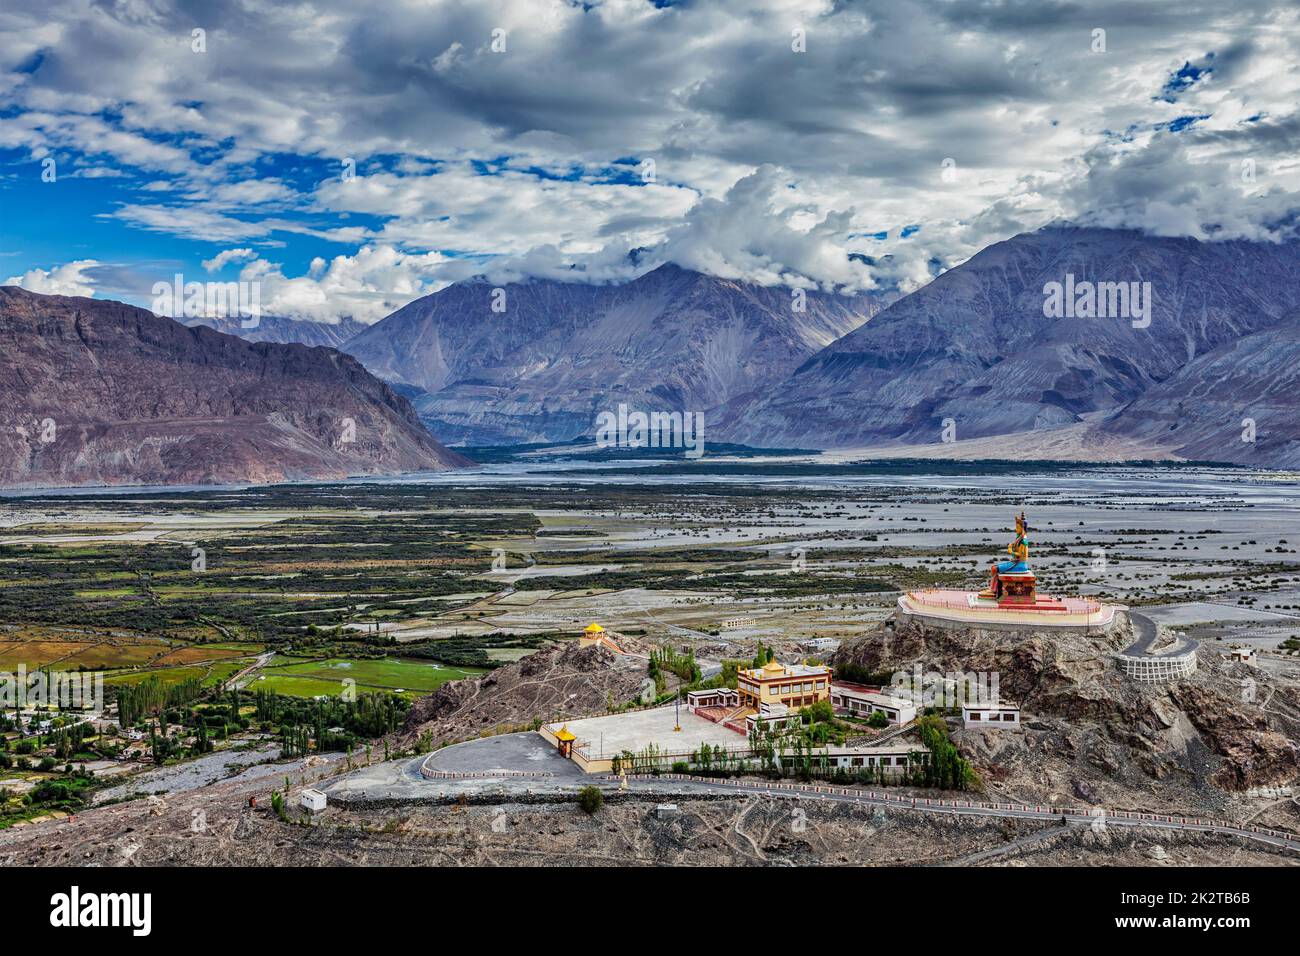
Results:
973 352
560 353
103 393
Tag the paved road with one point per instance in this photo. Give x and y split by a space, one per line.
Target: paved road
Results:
505 753
1073 816
1146 629
497 765
241 679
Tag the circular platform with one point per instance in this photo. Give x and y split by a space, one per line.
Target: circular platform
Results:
968 608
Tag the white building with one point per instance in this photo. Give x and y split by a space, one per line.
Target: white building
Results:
822 644
895 759
1001 716
1242 655
713 697
312 800
857 700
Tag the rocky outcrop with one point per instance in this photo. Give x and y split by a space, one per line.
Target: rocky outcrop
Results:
1090 731
1254 754
99 392
560 681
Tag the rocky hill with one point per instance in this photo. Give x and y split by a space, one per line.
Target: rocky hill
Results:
558 681
1090 732
560 353
976 348
98 392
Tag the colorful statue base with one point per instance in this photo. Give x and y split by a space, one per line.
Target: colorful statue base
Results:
1011 598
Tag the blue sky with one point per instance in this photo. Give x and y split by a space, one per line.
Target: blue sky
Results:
844 146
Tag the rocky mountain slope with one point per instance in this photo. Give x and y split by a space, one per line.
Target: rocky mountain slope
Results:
278 328
975 347
560 353
98 392
558 681
1237 403
752 829
1092 734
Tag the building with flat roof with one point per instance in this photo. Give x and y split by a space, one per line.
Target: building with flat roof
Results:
857 700
735 623
891 759
1001 716
794 685
713 697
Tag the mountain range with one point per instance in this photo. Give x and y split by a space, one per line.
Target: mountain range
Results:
560 353
977 363
977 354
974 352
278 328
99 392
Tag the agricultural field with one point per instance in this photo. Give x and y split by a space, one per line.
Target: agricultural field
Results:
408 585
327 677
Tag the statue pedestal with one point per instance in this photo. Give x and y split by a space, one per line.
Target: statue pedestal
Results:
1017 589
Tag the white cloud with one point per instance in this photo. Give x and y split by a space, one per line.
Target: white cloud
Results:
377 280
771 165
67 279
226 256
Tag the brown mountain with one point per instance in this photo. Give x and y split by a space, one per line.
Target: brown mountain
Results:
563 352
99 392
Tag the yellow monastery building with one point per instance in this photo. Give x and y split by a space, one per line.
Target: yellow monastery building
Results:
794 685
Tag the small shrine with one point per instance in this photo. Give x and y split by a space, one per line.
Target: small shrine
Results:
564 739
593 634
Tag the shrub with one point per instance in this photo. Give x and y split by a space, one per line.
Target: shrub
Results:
591 799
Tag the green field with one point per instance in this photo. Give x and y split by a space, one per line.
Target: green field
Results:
326 677
214 673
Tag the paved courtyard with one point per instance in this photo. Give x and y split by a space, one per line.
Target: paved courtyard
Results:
611 735
509 752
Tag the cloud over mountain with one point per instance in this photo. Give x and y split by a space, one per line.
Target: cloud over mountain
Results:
774 141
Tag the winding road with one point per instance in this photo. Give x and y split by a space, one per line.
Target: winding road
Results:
1147 632
524 764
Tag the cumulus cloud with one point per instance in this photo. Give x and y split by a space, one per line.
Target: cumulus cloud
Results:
377 280
896 141
761 232
67 279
